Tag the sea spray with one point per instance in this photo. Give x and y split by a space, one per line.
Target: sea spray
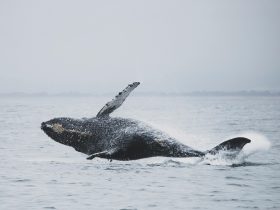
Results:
190 139
259 143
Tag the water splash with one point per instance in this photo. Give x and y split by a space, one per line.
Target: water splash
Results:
222 158
259 143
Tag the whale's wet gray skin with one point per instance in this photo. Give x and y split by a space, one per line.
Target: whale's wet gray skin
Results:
124 139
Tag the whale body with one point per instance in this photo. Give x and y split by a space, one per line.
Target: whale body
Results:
125 139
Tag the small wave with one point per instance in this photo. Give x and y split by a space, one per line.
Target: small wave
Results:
238 185
244 164
234 178
22 180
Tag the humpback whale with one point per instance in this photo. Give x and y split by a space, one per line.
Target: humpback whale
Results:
125 139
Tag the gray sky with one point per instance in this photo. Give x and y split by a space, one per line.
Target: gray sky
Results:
101 46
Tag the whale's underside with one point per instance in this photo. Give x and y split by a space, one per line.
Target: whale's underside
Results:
124 139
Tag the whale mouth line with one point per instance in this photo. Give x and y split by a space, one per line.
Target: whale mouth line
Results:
45 125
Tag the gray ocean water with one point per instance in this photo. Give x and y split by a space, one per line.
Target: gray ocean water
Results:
38 173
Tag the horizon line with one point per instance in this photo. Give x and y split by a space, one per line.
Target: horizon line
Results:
146 93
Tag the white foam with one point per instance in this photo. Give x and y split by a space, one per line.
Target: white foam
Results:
222 158
259 143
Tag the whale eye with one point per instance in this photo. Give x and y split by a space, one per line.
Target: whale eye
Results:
57 128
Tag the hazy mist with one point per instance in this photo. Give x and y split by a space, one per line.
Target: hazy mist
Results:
169 46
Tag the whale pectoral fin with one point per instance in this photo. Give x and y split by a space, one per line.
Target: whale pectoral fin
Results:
235 145
105 154
117 101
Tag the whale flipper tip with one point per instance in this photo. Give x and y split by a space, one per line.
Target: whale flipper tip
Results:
117 101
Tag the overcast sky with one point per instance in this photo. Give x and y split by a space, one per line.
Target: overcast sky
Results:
101 46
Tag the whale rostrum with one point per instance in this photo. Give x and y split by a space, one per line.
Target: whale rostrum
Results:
125 139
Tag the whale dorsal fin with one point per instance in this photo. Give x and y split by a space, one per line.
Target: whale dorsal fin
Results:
117 101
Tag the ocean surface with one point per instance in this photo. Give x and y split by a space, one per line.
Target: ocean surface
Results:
38 173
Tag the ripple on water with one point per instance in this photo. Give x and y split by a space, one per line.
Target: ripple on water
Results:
238 185
244 164
232 200
128 209
22 180
234 178
248 207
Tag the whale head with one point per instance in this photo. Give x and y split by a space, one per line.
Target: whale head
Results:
67 131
